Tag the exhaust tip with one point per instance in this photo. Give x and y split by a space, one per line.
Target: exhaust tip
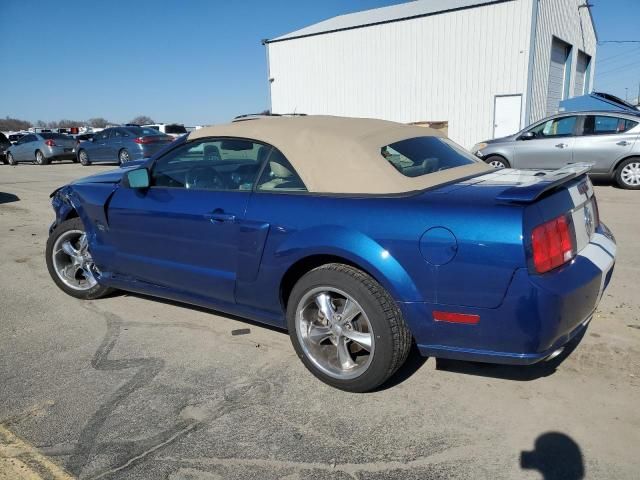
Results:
554 354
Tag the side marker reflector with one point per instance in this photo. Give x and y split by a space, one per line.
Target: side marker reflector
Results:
456 317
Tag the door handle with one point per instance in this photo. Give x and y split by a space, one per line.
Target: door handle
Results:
623 143
562 145
218 216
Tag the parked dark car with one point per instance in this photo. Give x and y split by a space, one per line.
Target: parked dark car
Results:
121 145
41 148
4 145
359 236
14 137
81 137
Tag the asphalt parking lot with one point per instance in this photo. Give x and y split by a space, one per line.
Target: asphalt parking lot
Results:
136 388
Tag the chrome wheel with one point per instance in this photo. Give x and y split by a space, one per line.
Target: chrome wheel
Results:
630 174
334 332
497 164
83 157
40 158
124 156
72 261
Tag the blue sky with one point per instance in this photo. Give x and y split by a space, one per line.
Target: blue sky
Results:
193 61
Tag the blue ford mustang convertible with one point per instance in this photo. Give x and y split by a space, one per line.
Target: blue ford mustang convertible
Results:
359 236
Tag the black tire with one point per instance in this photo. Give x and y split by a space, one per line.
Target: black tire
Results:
92 293
624 174
496 161
123 156
391 335
11 160
83 158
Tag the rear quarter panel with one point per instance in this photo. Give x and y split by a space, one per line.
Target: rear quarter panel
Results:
382 236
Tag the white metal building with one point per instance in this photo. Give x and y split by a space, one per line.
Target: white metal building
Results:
488 68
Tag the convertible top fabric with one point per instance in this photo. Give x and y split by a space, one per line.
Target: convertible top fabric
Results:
340 154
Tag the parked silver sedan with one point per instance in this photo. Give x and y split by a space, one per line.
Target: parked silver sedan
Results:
42 148
608 140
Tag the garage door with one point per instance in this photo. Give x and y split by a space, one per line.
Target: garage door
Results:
582 66
557 69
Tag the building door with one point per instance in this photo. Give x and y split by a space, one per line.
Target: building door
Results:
582 78
559 71
506 115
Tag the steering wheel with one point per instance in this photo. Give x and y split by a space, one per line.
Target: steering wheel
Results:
204 177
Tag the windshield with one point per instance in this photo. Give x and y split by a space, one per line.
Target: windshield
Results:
419 156
175 129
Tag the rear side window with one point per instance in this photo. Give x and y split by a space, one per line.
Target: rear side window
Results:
419 156
606 125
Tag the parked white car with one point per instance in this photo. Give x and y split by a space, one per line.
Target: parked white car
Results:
174 129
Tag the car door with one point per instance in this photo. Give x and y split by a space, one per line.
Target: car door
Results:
605 139
550 146
99 150
182 233
26 148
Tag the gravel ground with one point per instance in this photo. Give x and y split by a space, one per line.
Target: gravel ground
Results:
136 388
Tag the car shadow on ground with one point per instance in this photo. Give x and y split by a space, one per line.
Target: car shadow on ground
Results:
520 373
415 360
8 198
556 456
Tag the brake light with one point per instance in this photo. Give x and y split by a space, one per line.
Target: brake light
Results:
553 244
50 143
143 140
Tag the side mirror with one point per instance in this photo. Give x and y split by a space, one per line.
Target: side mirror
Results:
527 136
138 179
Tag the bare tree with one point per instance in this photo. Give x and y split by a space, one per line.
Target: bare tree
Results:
65 123
9 124
98 122
41 124
142 120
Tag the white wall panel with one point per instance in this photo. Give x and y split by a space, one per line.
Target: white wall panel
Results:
441 67
564 20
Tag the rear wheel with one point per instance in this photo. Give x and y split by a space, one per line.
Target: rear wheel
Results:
346 328
70 263
11 160
123 156
628 174
40 158
83 157
497 162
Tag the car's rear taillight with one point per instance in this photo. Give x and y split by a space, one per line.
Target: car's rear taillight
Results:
50 143
553 244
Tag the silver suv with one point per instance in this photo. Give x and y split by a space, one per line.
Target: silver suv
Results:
608 140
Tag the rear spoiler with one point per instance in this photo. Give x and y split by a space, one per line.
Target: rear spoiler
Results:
548 180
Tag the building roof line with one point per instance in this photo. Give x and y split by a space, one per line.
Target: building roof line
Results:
293 36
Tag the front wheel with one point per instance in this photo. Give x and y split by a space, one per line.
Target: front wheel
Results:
628 174
346 328
83 156
70 263
497 162
11 160
40 158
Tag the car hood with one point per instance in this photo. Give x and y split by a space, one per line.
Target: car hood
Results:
510 138
110 176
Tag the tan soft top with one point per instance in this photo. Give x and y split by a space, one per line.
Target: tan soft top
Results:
339 154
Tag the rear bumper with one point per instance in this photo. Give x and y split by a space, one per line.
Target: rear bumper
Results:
539 314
